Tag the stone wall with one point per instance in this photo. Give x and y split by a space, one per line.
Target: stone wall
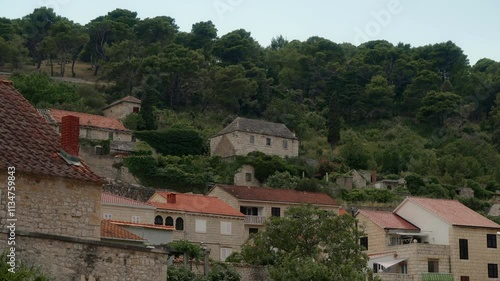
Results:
377 241
125 213
70 259
133 191
94 133
54 205
120 110
243 146
102 165
476 266
240 178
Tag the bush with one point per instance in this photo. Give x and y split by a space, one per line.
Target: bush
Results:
174 141
23 272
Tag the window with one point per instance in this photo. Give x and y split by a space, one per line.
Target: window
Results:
88 133
110 135
107 216
464 249
363 241
249 211
433 265
491 240
200 226
275 212
179 224
169 221
268 141
133 139
224 253
135 219
252 139
248 176
135 109
377 267
464 278
285 144
158 220
225 227
493 270
253 230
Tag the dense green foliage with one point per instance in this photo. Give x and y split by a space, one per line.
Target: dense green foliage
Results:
308 244
174 141
23 272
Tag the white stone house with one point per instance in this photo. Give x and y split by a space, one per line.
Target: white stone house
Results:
122 108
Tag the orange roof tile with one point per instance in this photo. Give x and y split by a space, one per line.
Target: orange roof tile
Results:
89 120
127 99
387 220
108 198
113 231
451 211
196 204
278 195
145 225
29 143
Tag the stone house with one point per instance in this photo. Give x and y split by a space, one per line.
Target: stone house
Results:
57 199
94 127
200 219
244 135
122 108
259 204
427 238
135 217
245 176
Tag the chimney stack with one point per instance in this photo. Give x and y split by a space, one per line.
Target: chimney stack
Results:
70 133
374 176
171 198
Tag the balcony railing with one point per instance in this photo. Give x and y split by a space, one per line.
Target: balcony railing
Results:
255 220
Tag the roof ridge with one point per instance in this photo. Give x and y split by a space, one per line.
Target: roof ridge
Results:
124 197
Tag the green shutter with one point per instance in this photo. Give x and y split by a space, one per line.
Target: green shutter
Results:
437 277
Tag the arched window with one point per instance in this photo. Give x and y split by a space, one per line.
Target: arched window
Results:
179 224
158 220
169 221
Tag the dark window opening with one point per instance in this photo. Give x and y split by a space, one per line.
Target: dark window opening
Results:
135 109
464 249
158 220
268 141
492 270
253 230
464 278
249 211
433 266
275 212
110 135
491 240
248 176
363 241
179 224
169 221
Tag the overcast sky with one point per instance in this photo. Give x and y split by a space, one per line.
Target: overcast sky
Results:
472 25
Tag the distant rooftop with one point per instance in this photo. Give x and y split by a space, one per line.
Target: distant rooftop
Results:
258 127
113 231
54 116
388 220
130 99
108 198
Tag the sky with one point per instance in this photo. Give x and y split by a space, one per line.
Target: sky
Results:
472 25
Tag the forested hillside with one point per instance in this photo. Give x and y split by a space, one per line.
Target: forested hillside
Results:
422 112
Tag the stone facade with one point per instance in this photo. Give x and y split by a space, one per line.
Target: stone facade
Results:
125 213
242 143
246 176
377 240
476 266
95 133
212 236
76 259
102 165
54 205
121 110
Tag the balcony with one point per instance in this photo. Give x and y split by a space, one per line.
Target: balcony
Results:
255 220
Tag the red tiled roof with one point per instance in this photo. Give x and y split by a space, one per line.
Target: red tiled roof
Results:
388 220
278 195
115 199
127 98
111 230
452 211
90 120
196 204
29 143
145 225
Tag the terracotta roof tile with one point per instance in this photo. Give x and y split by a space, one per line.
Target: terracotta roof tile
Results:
452 211
144 225
278 195
196 204
89 120
259 127
29 143
108 198
388 220
113 231
125 99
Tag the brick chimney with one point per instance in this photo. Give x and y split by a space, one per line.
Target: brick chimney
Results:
171 198
70 132
374 176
